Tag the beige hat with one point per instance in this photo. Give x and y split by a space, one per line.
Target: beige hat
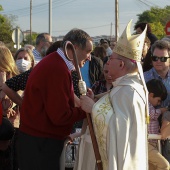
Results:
130 46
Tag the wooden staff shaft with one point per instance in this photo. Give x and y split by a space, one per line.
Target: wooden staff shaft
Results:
94 142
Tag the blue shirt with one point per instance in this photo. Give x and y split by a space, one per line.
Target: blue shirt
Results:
37 56
85 74
152 74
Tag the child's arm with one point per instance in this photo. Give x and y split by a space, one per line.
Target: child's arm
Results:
165 129
154 113
165 123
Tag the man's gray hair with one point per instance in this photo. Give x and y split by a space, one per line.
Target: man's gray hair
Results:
130 66
40 37
77 37
161 44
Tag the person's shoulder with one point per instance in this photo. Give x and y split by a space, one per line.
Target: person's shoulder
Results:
132 93
97 61
51 57
148 75
52 54
125 92
148 72
95 58
152 37
35 53
50 63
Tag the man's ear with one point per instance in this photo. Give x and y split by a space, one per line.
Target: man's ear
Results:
151 95
122 64
41 43
75 46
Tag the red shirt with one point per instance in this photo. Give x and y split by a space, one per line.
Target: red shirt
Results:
48 106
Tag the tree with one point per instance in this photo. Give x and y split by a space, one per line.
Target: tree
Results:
6 27
1 9
157 18
33 38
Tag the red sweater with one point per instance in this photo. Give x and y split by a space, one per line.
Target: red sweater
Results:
48 106
0 113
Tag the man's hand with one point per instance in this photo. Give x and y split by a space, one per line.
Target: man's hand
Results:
86 104
76 101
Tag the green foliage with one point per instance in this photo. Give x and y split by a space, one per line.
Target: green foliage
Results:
6 27
33 39
158 29
1 9
157 18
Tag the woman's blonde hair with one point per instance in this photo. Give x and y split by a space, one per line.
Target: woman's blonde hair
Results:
7 63
29 52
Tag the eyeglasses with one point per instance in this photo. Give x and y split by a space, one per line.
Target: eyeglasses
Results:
162 59
114 58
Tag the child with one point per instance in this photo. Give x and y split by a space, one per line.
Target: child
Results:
157 93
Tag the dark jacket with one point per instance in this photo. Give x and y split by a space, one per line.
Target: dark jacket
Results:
95 69
152 38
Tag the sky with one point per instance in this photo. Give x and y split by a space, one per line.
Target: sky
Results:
96 17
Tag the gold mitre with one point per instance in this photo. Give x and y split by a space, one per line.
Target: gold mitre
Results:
130 46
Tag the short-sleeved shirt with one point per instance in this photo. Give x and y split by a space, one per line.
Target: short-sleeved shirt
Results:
18 82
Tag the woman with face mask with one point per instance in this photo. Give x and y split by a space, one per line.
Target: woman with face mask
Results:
24 59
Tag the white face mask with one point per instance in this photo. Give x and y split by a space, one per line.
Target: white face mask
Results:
23 65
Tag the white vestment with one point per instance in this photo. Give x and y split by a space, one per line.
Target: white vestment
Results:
121 134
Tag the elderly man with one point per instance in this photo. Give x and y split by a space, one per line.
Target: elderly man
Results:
119 117
48 112
43 42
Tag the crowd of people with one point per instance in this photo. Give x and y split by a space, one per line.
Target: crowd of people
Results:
128 97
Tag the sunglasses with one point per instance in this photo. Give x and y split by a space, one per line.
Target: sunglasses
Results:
162 59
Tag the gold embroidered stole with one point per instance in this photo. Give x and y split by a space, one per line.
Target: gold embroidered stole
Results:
101 114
